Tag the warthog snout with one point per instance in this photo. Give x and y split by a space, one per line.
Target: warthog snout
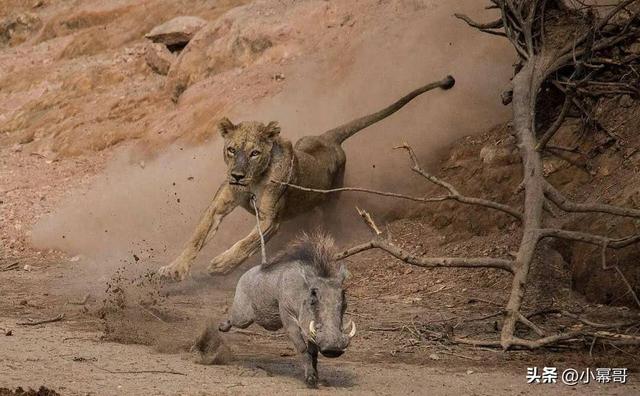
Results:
332 343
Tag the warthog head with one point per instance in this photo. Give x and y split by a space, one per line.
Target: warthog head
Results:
322 298
322 315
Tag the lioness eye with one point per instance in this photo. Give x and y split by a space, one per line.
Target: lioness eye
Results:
255 153
231 150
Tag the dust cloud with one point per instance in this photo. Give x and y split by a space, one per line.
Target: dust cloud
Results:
149 209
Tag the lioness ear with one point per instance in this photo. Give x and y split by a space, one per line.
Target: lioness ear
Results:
225 127
271 130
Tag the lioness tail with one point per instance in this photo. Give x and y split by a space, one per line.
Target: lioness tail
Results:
343 132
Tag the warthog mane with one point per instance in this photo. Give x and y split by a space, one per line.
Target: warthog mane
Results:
316 250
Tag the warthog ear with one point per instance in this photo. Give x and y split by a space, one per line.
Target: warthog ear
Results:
271 130
225 127
343 273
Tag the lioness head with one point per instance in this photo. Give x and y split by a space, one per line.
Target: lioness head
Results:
247 149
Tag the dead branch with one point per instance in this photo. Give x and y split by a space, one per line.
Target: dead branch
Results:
147 310
596 324
430 262
137 371
32 322
9 267
569 206
460 355
369 221
427 262
81 302
628 285
593 239
256 333
531 325
462 199
453 193
483 27
556 124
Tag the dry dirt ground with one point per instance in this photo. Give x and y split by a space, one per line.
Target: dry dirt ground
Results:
74 85
394 353
133 322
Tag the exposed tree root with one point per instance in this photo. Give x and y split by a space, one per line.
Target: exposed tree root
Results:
575 66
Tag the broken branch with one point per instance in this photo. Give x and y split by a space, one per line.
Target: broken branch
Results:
430 262
569 206
32 322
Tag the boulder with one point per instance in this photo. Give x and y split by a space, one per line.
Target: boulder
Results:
499 155
177 31
159 58
16 29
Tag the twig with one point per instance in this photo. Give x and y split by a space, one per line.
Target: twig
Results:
532 326
399 328
569 206
31 322
369 221
459 355
556 124
440 289
629 287
454 194
81 302
461 199
263 250
430 262
595 324
9 267
255 333
147 310
137 371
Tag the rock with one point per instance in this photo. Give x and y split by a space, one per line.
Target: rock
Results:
159 58
498 155
177 31
634 48
626 101
235 41
433 356
15 29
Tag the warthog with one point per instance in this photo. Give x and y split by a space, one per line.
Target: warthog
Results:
301 289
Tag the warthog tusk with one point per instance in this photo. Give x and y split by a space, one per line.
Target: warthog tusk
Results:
353 328
312 328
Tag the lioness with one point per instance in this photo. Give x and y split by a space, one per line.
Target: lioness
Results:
256 155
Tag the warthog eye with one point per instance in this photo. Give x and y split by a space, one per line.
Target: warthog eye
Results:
231 151
254 153
314 296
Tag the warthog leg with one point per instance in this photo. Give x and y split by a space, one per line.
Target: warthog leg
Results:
242 315
310 363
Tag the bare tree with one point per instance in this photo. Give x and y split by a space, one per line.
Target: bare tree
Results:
576 63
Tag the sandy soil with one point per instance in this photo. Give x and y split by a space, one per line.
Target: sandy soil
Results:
83 354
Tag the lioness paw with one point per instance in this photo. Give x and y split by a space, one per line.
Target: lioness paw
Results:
172 272
222 265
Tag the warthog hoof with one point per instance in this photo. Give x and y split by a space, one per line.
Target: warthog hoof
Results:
311 380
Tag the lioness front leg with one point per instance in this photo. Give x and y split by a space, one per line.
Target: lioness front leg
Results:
243 249
223 203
